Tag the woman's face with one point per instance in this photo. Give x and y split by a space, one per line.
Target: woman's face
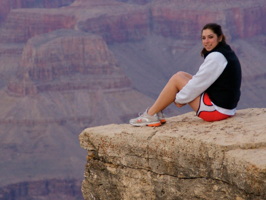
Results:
209 39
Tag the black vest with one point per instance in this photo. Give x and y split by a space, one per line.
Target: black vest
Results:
225 91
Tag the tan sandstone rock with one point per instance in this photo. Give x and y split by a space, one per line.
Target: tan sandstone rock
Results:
186 158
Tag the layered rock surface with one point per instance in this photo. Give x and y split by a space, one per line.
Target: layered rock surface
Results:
114 21
184 19
67 60
121 22
7 5
186 158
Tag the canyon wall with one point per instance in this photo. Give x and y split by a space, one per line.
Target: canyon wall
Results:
52 189
186 158
23 24
178 19
184 19
7 5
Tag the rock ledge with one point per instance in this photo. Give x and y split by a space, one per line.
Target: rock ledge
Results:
186 158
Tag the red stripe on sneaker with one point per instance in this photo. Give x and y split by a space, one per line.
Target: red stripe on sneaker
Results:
156 124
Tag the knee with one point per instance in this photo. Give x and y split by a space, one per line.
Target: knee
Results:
181 73
179 80
177 76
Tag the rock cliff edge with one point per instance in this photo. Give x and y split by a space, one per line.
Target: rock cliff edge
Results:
186 158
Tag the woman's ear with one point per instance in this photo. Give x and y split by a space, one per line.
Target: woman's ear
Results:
221 38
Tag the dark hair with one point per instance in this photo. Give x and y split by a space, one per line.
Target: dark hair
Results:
217 29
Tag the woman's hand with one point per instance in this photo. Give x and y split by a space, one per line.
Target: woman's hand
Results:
179 105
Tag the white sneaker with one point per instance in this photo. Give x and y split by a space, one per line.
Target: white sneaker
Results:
146 120
161 117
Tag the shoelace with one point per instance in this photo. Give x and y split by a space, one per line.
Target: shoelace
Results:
140 114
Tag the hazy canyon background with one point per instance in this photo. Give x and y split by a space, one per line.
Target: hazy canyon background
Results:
67 65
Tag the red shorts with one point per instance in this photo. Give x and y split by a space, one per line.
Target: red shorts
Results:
207 111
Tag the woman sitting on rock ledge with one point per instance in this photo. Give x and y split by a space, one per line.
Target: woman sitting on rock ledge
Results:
213 92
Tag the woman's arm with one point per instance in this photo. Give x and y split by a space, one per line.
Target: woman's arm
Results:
209 71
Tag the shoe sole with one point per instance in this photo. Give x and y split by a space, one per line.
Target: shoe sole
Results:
163 121
150 125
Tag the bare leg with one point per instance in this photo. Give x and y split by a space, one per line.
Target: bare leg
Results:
167 96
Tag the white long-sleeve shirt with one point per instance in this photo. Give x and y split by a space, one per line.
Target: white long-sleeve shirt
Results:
212 67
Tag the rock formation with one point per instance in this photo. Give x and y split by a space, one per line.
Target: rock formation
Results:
184 19
7 5
186 158
23 24
179 19
50 62
132 23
